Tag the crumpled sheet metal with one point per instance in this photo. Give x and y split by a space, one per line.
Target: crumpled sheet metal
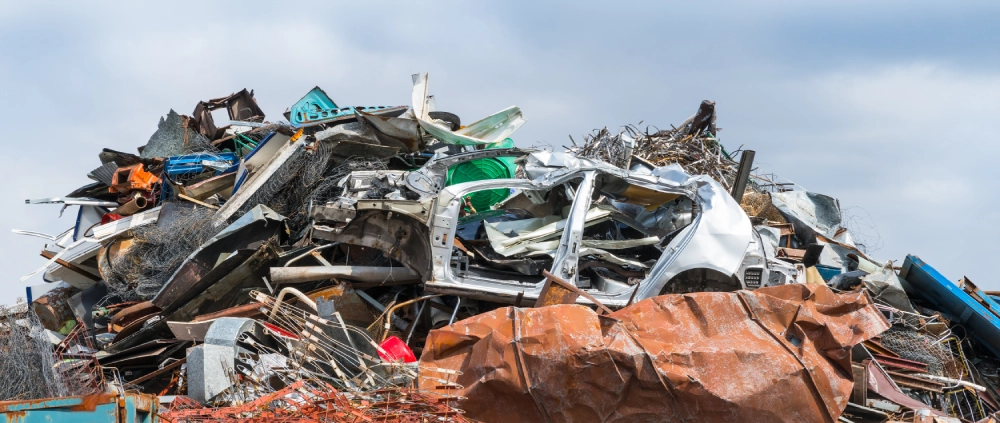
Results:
705 357
811 213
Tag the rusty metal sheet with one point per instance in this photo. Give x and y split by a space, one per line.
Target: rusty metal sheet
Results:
900 363
133 313
250 311
775 354
555 293
879 383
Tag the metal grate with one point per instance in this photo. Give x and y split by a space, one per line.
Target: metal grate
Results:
752 277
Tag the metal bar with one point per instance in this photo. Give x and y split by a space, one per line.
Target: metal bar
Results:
281 295
457 305
900 363
196 201
743 174
71 266
159 371
416 320
137 204
970 385
911 381
284 275
632 297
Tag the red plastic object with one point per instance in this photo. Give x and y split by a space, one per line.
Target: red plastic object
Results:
395 349
279 331
110 217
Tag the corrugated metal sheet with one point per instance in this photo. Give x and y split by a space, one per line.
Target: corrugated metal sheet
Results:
775 354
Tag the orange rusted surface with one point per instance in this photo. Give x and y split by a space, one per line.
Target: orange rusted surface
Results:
90 402
771 355
301 403
15 416
133 313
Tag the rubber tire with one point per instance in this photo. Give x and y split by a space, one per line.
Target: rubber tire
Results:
451 118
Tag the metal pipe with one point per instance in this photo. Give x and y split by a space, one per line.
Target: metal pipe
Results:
302 297
388 317
416 320
458 304
137 204
281 275
974 386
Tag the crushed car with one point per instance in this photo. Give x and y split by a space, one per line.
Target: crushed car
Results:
620 235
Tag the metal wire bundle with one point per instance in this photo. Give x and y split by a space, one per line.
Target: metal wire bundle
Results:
758 204
139 271
333 352
26 357
698 153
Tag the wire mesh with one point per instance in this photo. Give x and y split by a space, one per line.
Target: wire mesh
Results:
156 251
913 345
26 357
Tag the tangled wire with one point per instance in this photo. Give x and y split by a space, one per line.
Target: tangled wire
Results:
699 153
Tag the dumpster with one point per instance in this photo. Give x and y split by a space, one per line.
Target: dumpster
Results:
99 408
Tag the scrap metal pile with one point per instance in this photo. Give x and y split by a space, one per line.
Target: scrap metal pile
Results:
388 263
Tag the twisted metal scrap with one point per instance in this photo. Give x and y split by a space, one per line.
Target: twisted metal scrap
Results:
307 177
311 392
698 153
301 402
77 366
156 251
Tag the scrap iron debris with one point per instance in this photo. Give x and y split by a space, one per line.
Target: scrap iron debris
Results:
394 263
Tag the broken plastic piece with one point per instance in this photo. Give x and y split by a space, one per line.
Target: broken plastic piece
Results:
394 349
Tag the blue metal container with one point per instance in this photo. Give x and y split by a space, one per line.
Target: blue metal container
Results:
945 296
99 408
828 272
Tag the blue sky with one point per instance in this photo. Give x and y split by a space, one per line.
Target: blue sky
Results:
890 107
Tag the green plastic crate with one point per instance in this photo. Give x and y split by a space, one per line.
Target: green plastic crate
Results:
485 169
